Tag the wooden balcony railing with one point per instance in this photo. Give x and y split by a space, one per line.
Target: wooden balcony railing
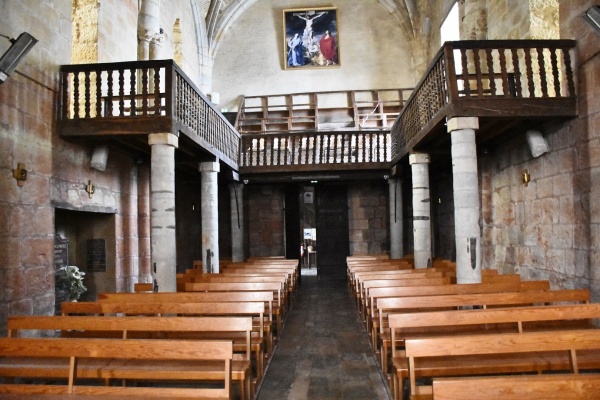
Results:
142 97
292 151
488 78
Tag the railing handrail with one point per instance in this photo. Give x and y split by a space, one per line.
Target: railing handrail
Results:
136 89
447 79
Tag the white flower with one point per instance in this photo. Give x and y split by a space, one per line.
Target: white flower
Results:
74 280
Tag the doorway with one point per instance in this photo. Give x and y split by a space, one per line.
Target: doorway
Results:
332 227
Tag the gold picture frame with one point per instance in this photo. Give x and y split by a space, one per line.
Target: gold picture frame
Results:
311 38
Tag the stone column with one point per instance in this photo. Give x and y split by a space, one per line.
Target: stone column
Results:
466 199
149 32
396 221
162 201
209 204
236 194
421 209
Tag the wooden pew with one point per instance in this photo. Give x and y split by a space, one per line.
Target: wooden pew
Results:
494 320
569 350
205 328
391 305
152 360
364 282
524 387
143 287
278 293
431 290
492 284
292 272
253 309
192 297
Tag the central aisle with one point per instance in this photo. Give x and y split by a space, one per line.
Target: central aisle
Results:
324 352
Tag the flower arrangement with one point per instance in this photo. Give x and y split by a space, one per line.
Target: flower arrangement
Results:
73 280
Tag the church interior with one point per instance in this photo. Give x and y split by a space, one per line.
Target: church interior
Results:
303 170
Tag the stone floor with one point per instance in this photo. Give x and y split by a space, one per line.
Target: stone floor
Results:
324 351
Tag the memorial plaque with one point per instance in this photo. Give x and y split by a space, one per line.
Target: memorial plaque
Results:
96 255
61 252
61 259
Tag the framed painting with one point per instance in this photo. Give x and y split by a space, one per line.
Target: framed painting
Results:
311 38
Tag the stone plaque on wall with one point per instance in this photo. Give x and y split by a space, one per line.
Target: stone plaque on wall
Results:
61 259
96 255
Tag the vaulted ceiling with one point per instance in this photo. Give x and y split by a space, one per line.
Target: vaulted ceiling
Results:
415 18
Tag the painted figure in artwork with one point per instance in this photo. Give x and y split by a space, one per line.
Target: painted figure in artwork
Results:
295 51
309 22
328 49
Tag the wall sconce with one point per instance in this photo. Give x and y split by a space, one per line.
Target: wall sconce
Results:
90 189
593 17
525 177
19 48
246 181
20 174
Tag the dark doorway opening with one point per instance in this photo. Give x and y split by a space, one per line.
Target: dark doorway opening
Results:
332 228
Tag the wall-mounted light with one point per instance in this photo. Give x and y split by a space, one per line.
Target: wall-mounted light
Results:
525 177
537 143
90 189
246 181
99 157
593 17
19 48
20 174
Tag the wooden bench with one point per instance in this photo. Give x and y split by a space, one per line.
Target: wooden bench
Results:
205 328
547 387
362 278
253 309
278 294
147 360
498 320
391 305
194 297
435 290
505 353
143 287
508 284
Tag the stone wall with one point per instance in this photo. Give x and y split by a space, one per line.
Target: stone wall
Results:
26 131
368 217
251 53
442 211
265 220
549 229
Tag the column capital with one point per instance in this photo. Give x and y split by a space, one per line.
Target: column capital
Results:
457 123
418 158
163 138
209 167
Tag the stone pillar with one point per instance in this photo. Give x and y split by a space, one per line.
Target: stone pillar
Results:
149 35
162 201
236 194
421 209
209 204
466 199
396 221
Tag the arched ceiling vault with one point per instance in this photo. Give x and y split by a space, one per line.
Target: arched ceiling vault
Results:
413 16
